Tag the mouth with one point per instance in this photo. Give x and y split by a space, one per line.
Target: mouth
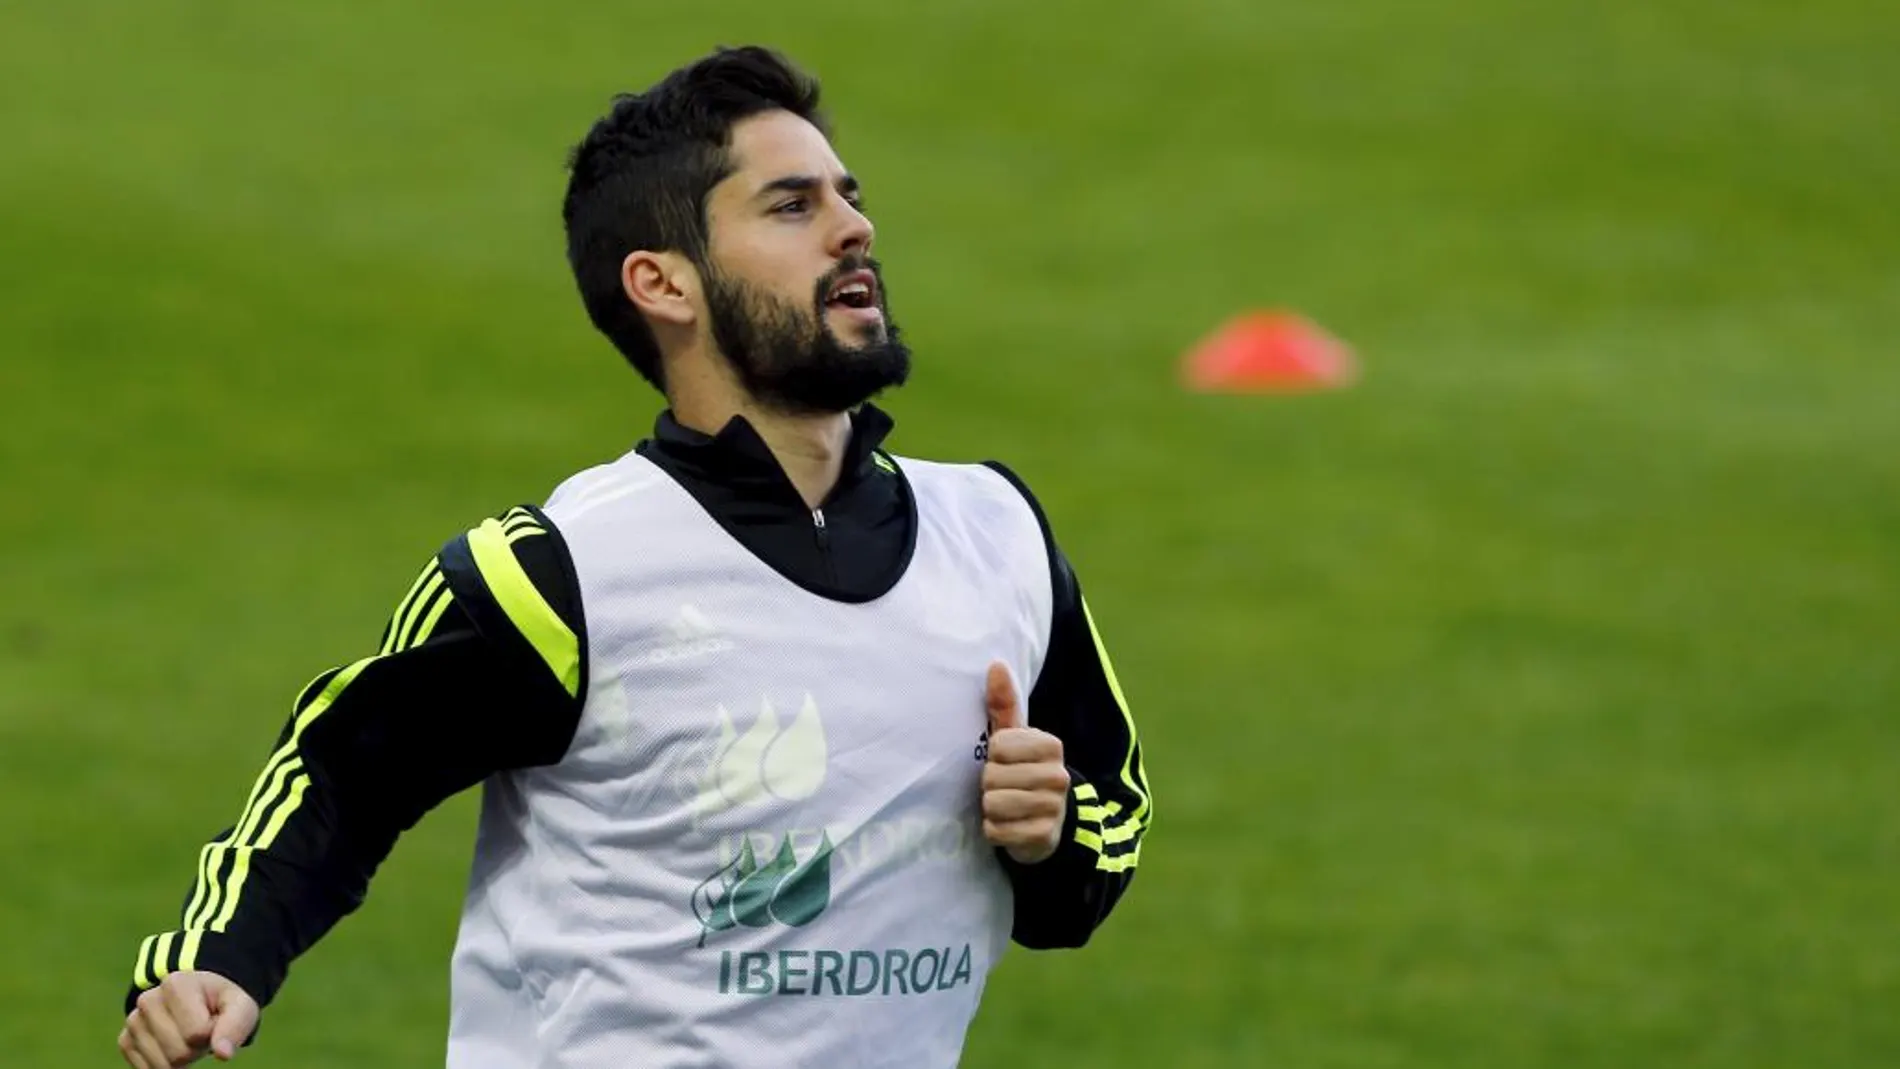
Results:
855 289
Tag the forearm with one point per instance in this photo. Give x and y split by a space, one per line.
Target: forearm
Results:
454 694
1078 698
1061 901
267 906
300 854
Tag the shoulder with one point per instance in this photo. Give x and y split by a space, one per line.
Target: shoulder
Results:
512 574
1062 582
581 496
1021 488
989 481
992 495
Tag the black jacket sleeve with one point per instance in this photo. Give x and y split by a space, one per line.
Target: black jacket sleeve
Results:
481 669
1077 698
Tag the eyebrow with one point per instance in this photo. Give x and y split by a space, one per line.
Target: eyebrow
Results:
805 183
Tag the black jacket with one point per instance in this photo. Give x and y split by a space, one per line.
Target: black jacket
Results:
456 692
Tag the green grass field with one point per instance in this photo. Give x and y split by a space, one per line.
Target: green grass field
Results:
1536 703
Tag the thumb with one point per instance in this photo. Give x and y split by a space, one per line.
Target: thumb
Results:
236 1020
999 694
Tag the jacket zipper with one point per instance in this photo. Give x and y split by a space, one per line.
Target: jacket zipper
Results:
824 543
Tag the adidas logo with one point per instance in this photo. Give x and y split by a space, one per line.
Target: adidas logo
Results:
689 634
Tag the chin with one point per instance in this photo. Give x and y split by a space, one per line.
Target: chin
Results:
859 339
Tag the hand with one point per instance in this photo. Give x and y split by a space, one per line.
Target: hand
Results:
1025 782
187 1015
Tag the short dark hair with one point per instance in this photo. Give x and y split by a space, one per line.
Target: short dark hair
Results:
640 178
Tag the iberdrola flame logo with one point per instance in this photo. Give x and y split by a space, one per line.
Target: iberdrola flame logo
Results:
781 890
768 761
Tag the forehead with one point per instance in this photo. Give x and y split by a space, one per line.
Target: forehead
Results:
775 144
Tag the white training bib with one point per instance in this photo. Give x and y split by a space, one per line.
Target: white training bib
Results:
764 847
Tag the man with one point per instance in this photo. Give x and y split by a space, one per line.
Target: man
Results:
758 786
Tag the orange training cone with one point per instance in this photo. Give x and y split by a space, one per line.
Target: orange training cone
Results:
1268 352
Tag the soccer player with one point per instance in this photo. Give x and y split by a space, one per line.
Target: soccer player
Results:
759 785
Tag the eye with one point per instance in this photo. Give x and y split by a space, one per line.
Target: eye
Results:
795 206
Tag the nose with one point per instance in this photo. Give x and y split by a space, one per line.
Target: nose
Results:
854 233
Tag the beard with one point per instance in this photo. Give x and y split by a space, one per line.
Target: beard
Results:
786 356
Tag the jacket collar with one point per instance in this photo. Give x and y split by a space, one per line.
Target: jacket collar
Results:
739 458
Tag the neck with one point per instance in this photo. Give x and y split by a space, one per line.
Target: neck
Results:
810 449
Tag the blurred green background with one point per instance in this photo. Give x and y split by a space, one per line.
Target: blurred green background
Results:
1532 704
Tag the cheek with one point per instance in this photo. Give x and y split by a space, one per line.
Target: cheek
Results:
777 260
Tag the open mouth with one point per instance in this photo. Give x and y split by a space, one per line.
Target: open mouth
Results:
858 289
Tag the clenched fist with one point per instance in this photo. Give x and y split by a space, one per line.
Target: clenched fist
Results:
188 1015
1025 782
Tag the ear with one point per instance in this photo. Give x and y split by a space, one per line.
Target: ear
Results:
662 285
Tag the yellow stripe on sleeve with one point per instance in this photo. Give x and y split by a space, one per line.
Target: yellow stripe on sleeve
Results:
524 605
1131 772
214 901
142 968
242 870
207 873
161 956
1111 826
428 622
430 578
281 775
276 774
426 607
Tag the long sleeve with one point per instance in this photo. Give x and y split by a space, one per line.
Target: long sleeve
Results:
480 669
1077 697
